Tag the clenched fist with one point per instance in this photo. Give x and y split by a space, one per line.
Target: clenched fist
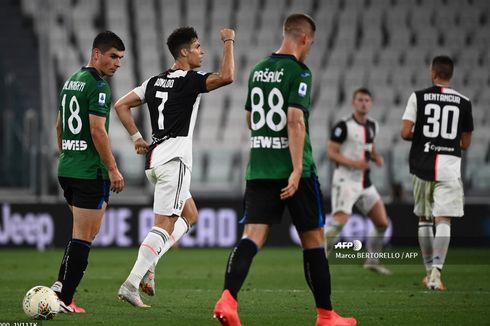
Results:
227 34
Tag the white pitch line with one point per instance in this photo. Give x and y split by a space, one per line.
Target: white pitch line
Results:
343 291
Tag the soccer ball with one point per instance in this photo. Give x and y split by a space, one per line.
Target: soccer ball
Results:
41 302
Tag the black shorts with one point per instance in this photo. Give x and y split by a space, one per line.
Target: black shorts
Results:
263 204
85 193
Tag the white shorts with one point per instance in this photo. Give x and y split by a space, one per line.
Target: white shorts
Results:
346 194
438 198
172 182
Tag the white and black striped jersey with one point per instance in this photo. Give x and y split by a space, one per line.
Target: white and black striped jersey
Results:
357 141
173 101
440 115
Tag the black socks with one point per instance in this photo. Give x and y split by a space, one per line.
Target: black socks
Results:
238 265
73 267
61 272
317 274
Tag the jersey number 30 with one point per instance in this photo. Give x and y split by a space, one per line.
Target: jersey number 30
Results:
275 102
438 124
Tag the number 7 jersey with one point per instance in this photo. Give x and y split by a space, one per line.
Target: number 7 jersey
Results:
84 93
276 83
440 115
173 99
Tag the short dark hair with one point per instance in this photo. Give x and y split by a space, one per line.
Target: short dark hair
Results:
362 90
443 66
106 40
180 38
293 23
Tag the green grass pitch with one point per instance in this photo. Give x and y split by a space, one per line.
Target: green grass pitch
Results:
189 281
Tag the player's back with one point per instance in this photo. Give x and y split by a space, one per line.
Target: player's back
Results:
84 93
173 99
276 83
442 115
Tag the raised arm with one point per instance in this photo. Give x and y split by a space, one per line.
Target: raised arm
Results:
226 74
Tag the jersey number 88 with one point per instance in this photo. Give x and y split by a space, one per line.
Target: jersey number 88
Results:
275 102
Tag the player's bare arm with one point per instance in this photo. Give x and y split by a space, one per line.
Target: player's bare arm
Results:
103 146
226 74
249 119
406 131
58 131
296 137
377 157
334 154
465 140
123 108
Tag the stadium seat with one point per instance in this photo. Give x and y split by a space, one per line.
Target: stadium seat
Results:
400 169
323 168
380 176
480 180
385 45
475 158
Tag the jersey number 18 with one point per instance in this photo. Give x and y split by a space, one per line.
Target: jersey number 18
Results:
74 118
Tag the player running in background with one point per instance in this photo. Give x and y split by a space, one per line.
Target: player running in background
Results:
87 169
173 100
281 172
351 147
439 122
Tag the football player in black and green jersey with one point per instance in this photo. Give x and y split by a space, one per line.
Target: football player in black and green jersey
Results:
87 169
281 172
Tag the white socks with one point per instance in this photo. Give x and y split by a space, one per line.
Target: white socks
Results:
374 241
149 252
332 234
426 240
181 227
441 244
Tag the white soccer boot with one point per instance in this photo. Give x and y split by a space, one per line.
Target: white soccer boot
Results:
435 282
147 284
376 266
130 294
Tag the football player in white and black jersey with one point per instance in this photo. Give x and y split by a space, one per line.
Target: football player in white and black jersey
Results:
351 148
438 121
173 99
